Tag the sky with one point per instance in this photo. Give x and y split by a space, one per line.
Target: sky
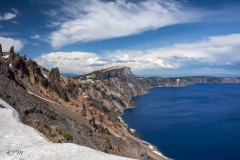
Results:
152 37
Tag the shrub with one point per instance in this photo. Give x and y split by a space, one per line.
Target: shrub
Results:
59 130
68 136
105 109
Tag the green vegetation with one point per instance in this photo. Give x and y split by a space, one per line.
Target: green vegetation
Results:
59 130
46 126
107 139
105 109
68 136
105 150
84 77
129 131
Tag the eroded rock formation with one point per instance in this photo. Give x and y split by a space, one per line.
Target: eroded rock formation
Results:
11 49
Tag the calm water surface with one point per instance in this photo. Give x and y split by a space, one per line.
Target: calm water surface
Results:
197 122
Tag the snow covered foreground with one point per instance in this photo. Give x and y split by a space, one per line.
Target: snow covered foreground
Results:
19 141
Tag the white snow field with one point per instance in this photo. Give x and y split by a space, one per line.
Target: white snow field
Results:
21 142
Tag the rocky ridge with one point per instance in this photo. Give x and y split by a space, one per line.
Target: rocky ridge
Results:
55 101
87 107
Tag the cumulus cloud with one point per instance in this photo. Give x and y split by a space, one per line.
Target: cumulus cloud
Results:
71 61
215 50
8 42
36 36
82 21
212 51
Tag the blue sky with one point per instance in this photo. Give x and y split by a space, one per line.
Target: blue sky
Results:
152 37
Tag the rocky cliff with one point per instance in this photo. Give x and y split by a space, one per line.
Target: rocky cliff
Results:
64 109
83 110
122 73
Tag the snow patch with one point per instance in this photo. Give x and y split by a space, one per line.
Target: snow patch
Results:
154 151
15 113
132 130
121 120
41 97
45 75
150 146
5 57
19 141
160 154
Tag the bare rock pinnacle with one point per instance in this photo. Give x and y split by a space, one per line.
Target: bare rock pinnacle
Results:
12 49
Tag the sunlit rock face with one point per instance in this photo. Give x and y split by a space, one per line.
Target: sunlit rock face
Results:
19 141
120 72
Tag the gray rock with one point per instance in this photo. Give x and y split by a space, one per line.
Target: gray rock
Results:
120 72
11 49
54 75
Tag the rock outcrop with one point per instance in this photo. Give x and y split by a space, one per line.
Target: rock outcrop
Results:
54 75
122 73
86 108
11 49
54 78
59 104
0 48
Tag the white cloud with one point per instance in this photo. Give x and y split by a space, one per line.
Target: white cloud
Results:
213 51
8 16
36 36
71 61
35 44
216 50
83 21
8 42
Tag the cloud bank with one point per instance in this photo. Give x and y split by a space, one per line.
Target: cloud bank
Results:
82 21
8 42
212 51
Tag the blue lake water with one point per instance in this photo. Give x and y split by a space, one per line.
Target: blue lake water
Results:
197 122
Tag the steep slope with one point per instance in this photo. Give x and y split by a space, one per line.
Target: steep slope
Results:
19 141
46 100
87 109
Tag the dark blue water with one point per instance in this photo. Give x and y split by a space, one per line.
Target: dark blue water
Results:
197 122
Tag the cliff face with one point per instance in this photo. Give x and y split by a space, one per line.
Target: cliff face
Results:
183 81
46 100
87 107
122 73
